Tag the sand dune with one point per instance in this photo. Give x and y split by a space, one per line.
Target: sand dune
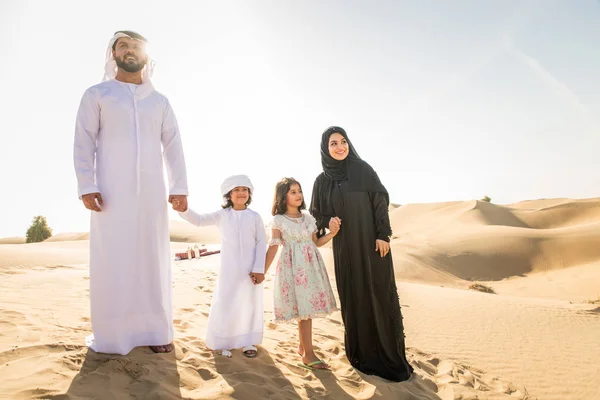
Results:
12 240
534 339
68 237
20 258
182 231
450 243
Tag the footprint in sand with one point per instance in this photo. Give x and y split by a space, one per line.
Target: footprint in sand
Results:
181 325
272 325
335 349
207 374
34 355
459 381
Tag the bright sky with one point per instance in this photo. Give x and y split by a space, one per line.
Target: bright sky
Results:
447 100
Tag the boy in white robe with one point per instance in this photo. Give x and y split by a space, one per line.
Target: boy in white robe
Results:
236 311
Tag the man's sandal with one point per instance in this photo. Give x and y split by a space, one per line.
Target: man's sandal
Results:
167 348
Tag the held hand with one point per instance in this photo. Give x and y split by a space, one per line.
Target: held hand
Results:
257 278
179 202
334 230
89 201
382 247
334 225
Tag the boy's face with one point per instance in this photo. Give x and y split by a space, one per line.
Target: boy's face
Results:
240 196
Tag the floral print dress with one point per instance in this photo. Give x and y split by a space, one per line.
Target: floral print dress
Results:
302 289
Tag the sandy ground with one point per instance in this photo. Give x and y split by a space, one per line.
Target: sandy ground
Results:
537 337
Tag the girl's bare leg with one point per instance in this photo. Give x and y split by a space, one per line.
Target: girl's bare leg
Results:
306 348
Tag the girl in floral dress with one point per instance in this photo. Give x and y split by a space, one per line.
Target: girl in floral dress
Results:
301 289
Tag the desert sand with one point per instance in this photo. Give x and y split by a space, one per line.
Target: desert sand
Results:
536 337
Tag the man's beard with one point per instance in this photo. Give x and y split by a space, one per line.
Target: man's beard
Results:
130 66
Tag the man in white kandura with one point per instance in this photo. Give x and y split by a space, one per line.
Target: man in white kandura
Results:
124 130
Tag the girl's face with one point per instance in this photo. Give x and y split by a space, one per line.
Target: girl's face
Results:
338 147
240 196
294 196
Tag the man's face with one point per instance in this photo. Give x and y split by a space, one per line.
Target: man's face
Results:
130 54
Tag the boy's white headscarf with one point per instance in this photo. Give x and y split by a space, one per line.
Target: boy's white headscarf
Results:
110 65
234 181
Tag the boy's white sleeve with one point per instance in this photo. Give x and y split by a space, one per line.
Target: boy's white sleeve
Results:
261 246
208 219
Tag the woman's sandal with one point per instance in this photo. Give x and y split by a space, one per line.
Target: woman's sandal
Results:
250 351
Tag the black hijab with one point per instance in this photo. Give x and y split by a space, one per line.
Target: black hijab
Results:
361 178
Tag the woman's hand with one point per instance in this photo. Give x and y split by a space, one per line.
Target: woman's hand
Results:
382 247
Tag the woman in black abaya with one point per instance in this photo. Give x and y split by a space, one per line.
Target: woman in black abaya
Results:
349 191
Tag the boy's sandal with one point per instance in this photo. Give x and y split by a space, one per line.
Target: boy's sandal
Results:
250 351
226 353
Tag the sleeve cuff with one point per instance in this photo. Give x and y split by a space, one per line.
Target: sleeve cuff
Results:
385 238
87 190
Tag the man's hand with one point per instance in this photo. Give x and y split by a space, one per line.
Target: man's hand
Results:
89 201
179 202
257 278
382 247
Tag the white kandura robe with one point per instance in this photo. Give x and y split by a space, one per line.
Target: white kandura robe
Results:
236 311
122 135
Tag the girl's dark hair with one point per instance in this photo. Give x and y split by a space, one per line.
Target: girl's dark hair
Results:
229 203
281 190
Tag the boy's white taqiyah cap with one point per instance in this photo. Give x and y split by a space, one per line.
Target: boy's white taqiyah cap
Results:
234 181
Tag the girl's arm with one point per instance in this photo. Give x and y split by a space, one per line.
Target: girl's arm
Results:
320 241
274 244
201 219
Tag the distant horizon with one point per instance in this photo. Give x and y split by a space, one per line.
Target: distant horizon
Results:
266 219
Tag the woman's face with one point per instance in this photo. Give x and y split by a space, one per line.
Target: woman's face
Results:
338 147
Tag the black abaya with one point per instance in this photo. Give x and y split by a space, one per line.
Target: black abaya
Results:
374 337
